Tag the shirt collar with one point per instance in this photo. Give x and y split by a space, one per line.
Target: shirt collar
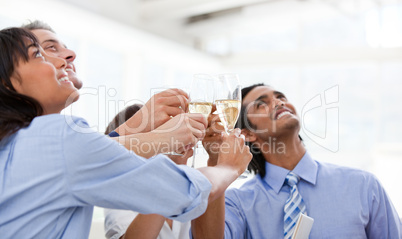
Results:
307 169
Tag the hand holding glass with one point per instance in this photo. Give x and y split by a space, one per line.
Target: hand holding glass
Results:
201 98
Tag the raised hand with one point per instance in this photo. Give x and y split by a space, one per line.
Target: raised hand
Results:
157 111
182 132
213 137
233 152
181 159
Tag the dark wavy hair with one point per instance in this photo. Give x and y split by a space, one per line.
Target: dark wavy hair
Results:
257 164
16 110
122 117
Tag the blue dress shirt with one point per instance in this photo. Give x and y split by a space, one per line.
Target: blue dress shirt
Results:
345 203
54 171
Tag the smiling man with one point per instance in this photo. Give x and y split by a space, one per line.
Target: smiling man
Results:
344 202
157 111
53 46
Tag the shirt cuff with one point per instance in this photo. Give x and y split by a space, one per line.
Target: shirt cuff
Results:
114 134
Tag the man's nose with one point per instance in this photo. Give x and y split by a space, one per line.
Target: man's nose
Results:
69 55
58 62
278 102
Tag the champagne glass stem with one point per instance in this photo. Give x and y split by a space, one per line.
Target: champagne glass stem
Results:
194 153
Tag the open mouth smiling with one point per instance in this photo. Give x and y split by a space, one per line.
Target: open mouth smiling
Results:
282 112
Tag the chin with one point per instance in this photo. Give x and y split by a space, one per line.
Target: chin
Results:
73 97
76 98
292 124
76 82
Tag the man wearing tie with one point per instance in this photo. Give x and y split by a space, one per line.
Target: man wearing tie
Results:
344 202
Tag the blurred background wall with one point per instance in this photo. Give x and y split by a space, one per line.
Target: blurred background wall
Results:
338 61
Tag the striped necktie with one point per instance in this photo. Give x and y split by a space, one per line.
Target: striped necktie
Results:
294 205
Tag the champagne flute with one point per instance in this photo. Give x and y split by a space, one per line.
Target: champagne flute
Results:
201 98
228 103
228 100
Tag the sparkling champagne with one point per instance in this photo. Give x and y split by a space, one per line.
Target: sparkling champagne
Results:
203 108
228 111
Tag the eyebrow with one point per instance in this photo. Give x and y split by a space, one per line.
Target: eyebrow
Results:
262 97
54 41
50 40
31 45
278 93
265 96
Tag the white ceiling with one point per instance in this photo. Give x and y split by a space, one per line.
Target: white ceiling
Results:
168 18
186 20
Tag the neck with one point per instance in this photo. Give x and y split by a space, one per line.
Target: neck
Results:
54 110
285 152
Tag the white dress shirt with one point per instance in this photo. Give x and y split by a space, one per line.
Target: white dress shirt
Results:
117 222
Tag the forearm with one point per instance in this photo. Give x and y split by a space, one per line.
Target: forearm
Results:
145 226
212 223
133 125
220 177
144 144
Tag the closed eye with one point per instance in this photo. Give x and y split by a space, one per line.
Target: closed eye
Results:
259 103
36 53
50 47
282 97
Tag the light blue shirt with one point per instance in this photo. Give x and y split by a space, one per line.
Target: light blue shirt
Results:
345 203
57 169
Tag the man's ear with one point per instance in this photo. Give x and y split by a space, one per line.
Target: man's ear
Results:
250 136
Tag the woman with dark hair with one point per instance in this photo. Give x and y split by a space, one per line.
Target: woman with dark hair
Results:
55 169
17 110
